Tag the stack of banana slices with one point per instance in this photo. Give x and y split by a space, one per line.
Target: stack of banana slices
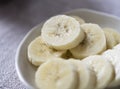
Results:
72 54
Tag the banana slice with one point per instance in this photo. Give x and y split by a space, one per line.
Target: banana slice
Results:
80 20
103 69
62 32
114 57
94 43
56 74
86 77
110 39
39 52
115 34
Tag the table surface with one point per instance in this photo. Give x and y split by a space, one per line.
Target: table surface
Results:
19 16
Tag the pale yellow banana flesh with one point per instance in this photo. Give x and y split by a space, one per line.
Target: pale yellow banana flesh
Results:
86 77
94 42
115 33
39 52
56 74
62 32
110 39
103 69
113 56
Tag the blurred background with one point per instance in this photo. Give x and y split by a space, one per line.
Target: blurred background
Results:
17 17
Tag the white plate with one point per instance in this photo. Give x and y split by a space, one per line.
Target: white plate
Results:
26 71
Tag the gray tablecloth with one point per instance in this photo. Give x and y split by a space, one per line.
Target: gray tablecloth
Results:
19 16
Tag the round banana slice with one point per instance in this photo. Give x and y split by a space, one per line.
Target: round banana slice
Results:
94 43
110 39
103 69
56 74
39 52
114 57
79 19
114 33
86 77
62 32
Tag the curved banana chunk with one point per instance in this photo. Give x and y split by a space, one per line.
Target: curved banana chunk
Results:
86 77
56 74
114 57
103 69
110 39
94 42
62 32
79 19
115 33
39 52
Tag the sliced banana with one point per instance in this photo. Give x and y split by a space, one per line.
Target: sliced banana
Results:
79 19
39 52
86 77
56 74
103 69
114 57
115 33
62 32
94 43
110 39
